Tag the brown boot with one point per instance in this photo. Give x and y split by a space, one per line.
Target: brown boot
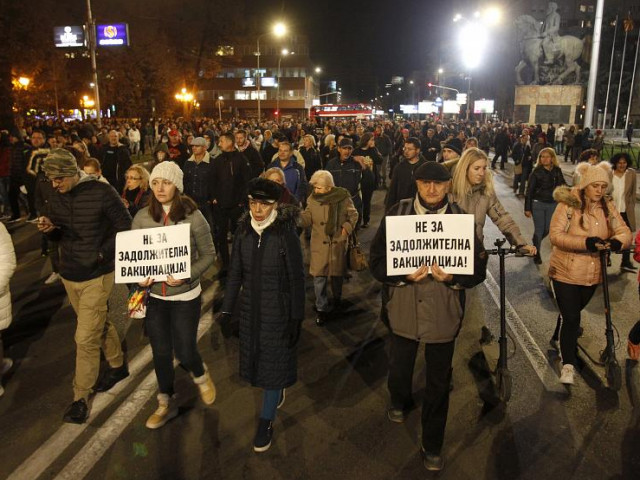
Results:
206 387
167 409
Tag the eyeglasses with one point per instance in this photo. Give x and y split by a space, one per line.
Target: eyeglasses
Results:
129 177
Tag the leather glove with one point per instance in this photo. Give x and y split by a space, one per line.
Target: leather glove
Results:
224 320
591 243
615 245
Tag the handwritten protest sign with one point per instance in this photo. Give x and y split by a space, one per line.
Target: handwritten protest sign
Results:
416 240
153 252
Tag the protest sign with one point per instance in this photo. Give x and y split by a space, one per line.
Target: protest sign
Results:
153 253
416 240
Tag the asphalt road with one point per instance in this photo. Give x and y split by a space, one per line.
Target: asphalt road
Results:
333 424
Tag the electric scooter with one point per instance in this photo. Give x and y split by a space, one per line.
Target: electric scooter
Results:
612 369
498 363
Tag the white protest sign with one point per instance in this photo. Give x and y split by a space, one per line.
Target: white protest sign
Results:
153 252
416 240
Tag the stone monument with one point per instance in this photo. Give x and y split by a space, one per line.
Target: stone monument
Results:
555 92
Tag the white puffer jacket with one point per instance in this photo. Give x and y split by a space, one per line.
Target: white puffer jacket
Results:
7 267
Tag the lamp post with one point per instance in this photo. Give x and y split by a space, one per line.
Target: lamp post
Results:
279 30
186 98
283 53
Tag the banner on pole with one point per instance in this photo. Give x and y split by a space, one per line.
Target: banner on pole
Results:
153 253
416 240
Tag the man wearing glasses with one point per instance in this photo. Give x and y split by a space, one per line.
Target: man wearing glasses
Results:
84 216
347 173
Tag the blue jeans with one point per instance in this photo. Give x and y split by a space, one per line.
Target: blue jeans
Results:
542 213
270 400
173 327
320 289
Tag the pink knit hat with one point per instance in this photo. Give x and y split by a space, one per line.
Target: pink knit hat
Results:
594 173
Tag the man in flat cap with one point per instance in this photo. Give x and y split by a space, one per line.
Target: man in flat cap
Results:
84 216
427 307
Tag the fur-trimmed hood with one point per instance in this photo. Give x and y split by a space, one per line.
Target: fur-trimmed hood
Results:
287 218
568 195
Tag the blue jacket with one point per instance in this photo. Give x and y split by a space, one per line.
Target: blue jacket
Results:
294 177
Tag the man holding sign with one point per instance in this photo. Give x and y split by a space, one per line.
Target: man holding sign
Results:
426 305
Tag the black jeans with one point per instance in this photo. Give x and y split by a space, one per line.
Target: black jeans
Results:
571 301
226 220
14 197
367 193
626 254
504 157
173 327
435 406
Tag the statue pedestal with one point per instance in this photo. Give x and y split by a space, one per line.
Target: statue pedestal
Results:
545 104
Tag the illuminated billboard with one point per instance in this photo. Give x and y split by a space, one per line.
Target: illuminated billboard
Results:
69 36
483 106
450 106
112 34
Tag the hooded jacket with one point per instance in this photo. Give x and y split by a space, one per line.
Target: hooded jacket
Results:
570 261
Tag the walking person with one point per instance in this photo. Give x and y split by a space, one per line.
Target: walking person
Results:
7 269
332 217
521 153
85 215
267 279
173 309
539 202
425 307
584 223
368 157
624 197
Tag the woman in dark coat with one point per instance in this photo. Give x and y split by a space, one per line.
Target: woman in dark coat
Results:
368 156
266 263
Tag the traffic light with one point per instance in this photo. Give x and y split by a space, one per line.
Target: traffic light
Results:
429 84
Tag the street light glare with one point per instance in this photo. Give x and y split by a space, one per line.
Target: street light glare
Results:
279 29
285 51
440 70
24 81
493 15
472 34
318 70
457 17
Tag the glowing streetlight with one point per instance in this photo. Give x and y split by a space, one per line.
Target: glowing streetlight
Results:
492 15
184 96
318 70
457 17
278 30
441 71
283 53
410 82
24 81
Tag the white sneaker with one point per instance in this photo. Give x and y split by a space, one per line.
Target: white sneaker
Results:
6 365
566 376
53 278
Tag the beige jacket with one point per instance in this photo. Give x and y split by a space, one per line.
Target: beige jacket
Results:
328 254
570 261
7 268
630 196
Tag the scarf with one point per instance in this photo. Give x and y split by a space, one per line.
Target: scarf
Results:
334 198
422 208
260 227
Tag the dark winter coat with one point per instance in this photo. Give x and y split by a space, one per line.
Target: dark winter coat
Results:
311 161
347 174
88 219
403 185
430 147
267 275
542 183
255 161
115 165
230 173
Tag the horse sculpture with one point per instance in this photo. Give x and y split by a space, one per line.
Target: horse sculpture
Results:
568 48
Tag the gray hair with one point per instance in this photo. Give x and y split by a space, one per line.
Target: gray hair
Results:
329 138
322 178
276 171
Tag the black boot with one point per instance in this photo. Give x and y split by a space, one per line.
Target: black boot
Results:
111 377
322 318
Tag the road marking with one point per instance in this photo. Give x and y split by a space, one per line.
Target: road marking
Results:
49 451
536 357
80 466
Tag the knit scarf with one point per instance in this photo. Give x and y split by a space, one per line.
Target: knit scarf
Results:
260 227
334 198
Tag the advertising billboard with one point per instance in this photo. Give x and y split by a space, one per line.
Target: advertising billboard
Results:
268 82
408 109
483 106
112 34
426 108
450 106
69 36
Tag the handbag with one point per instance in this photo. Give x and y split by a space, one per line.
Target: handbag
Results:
355 255
137 301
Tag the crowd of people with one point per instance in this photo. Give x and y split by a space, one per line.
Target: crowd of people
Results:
261 186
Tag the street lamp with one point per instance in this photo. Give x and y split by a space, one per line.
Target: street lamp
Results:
318 70
278 30
283 53
24 81
472 33
186 98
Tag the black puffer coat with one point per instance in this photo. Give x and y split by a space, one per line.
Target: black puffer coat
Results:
88 218
268 276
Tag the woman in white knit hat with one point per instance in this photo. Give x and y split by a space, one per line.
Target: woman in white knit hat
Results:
173 310
585 222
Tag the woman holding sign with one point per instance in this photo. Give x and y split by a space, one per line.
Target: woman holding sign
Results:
173 311
473 191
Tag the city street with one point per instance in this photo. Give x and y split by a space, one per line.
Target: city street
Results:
333 424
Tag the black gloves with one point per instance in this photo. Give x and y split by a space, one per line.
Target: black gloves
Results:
224 320
591 243
615 245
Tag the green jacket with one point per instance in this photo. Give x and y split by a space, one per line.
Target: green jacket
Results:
202 250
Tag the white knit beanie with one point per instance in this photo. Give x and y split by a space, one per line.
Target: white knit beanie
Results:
168 170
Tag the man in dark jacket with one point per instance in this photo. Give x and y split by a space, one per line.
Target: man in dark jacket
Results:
230 174
253 156
115 160
501 144
430 146
84 216
427 307
385 147
403 185
197 178
347 173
